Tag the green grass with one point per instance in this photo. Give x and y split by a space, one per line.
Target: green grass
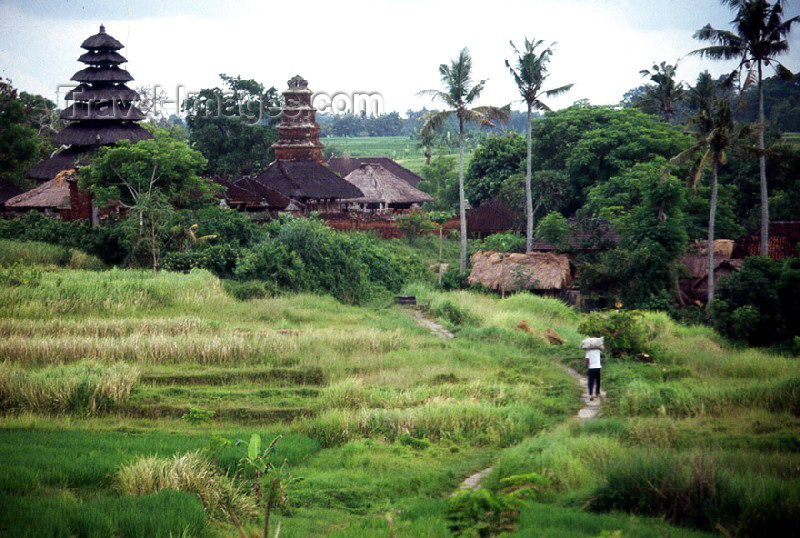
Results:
34 252
380 418
402 149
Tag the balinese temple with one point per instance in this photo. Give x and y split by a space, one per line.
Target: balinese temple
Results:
298 172
101 108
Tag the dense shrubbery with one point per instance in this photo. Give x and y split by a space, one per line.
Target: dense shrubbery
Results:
761 303
219 259
105 242
624 331
306 255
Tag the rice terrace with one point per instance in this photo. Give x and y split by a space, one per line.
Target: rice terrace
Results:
549 288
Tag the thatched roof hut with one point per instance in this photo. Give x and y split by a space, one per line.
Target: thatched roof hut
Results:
694 287
250 195
382 188
516 272
59 197
345 165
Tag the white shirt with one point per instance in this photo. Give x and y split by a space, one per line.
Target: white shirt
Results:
594 358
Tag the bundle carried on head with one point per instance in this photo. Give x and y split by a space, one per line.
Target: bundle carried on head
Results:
592 343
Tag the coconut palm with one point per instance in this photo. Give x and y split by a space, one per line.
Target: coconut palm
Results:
664 91
759 36
459 92
714 130
529 72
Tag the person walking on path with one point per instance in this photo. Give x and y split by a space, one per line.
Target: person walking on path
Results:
594 367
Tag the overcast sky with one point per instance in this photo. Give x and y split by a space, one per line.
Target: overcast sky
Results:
390 47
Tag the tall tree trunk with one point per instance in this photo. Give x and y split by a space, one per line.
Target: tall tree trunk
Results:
762 169
528 191
462 208
712 216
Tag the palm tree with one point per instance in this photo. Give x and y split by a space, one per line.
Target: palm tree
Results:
759 36
714 129
529 72
664 90
458 94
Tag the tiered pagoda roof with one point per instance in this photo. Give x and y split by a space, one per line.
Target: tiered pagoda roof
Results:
102 109
298 171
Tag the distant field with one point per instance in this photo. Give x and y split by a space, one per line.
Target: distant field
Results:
792 138
400 148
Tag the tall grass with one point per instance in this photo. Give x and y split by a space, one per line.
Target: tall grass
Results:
36 253
86 387
192 472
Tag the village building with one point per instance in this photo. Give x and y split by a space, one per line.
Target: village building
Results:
784 239
298 172
344 166
382 190
491 217
102 112
694 283
546 273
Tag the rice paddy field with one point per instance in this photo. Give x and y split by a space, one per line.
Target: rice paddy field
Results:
123 395
402 149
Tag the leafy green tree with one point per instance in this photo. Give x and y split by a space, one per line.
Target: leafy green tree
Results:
459 93
664 92
441 182
554 229
150 178
529 72
494 161
232 127
759 36
19 144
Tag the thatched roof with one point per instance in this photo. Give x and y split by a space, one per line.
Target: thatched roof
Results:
379 185
63 160
119 92
537 270
102 74
252 194
101 40
302 180
91 133
102 57
53 194
344 165
8 191
697 264
103 111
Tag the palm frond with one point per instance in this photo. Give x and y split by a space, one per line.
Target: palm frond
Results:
555 92
434 122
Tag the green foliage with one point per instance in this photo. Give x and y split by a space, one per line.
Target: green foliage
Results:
554 229
198 415
20 274
249 289
494 161
454 279
232 128
760 303
414 223
105 242
19 144
505 242
219 259
441 182
626 334
482 513
306 255
179 514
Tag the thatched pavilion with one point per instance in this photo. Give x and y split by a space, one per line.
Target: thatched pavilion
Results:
298 172
102 110
383 190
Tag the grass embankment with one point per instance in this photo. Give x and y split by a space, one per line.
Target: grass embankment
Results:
380 418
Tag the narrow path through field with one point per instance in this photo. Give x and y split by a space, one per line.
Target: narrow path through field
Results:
590 409
432 326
